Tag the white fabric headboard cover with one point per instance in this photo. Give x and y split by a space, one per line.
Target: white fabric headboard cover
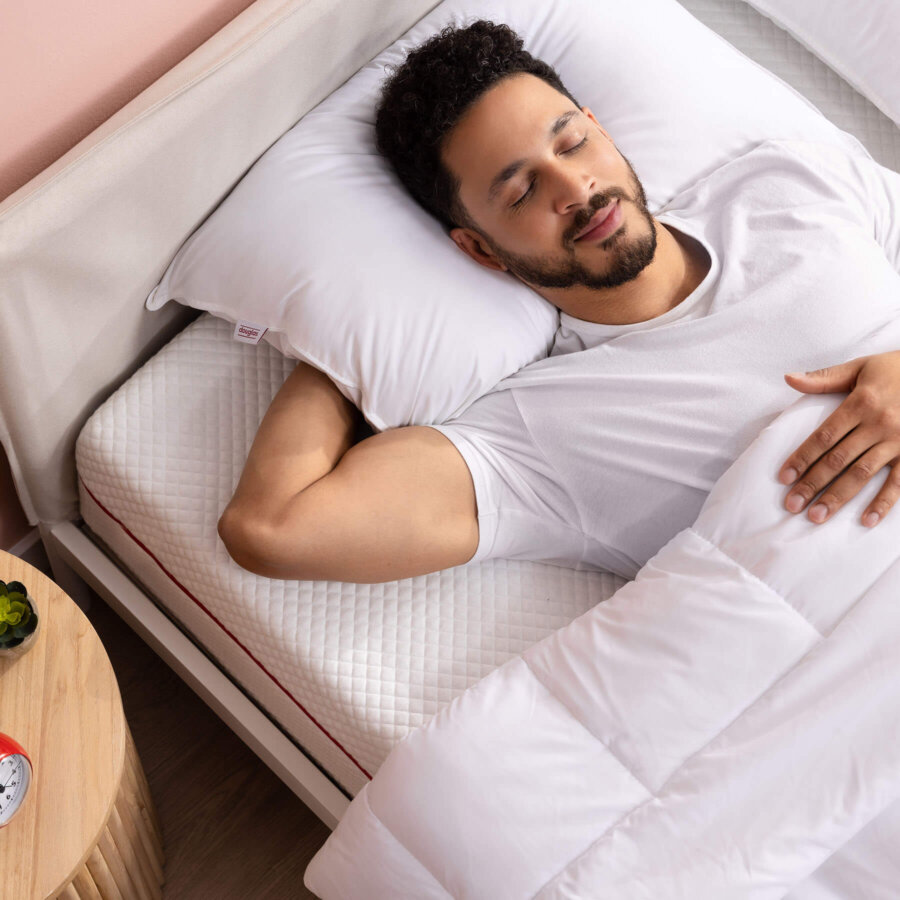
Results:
83 243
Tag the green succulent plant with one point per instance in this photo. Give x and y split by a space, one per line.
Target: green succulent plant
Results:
17 616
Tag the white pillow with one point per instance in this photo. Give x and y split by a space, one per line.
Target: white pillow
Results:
859 39
320 243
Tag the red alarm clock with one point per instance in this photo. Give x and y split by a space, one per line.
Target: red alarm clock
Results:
15 777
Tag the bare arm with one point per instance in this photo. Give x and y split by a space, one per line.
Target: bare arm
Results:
306 430
311 505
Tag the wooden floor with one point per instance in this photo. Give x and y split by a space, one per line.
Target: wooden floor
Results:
232 830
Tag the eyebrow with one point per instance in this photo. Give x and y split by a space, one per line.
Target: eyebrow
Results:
505 174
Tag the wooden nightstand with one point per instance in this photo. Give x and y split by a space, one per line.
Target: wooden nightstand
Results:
87 828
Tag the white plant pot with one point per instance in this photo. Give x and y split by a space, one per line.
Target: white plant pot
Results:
28 643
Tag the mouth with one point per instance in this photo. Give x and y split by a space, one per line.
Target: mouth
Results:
602 223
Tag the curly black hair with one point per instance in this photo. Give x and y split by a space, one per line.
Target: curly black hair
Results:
423 99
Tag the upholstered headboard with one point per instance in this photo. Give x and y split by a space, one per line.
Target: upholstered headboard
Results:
83 243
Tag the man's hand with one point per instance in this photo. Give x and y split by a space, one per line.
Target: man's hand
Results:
860 437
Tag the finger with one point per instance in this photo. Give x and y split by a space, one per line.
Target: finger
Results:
834 429
831 379
836 461
850 483
886 497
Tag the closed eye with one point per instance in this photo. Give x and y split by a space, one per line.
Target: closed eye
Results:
530 189
524 196
578 146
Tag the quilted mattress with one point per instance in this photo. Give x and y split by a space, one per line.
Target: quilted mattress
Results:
346 669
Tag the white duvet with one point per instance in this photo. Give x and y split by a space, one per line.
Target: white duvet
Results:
717 729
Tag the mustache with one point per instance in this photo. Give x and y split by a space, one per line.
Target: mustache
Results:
583 216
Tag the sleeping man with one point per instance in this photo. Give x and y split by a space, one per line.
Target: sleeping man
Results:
676 331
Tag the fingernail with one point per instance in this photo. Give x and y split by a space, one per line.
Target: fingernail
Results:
818 512
871 519
794 503
789 476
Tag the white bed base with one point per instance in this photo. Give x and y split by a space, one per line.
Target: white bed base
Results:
77 561
82 244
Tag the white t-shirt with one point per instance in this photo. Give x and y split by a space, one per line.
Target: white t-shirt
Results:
598 455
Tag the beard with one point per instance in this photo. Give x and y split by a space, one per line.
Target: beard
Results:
628 257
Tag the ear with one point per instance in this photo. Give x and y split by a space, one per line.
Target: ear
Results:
472 244
587 111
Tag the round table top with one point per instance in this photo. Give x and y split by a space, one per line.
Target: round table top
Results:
61 702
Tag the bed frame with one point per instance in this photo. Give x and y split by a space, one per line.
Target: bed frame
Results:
84 242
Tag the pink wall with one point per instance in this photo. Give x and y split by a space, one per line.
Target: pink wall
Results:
66 67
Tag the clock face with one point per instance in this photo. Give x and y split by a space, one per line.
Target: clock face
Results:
15 777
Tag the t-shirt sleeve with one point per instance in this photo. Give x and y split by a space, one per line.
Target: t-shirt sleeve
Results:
523 511
869 190
884 189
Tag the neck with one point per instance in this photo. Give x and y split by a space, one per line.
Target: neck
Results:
679 265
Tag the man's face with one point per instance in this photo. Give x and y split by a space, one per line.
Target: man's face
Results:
535 172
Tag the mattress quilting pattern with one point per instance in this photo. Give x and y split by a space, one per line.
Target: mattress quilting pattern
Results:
346 669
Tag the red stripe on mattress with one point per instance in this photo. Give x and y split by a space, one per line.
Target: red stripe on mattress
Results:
175 581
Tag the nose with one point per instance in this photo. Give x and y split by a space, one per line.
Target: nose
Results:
572 188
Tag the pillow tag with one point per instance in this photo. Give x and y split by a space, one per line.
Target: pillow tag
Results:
248 332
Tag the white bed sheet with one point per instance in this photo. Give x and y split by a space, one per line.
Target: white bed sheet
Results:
346 669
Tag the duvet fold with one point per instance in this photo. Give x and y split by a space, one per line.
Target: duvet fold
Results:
717 729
